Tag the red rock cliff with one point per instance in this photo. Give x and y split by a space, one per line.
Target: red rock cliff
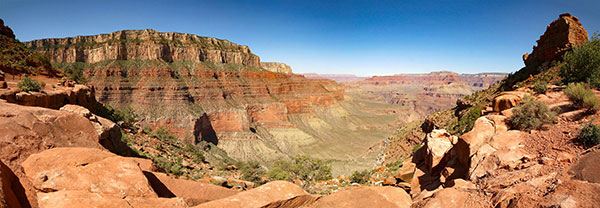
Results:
560 36
146 45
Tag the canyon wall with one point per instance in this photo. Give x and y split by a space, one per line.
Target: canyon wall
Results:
560 36
145 45
276 67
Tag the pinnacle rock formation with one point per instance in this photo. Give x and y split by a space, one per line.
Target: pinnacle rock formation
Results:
5 30
560 36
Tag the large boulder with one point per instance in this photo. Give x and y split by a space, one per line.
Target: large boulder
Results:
470 142
192 192
371 196
109 133
86 169
507 100
87 177
260 196
438 143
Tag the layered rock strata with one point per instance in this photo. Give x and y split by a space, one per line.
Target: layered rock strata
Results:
276 67
560 36
146 45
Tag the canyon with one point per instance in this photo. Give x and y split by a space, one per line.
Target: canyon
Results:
206 89
425 140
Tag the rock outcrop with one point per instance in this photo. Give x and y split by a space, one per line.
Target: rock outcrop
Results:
560 36
52 98
145 45
259 197
276 67
75 177
6 31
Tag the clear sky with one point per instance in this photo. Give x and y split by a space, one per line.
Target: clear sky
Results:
340 37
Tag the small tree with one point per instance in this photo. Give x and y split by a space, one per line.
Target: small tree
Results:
582 64
582 96
589 135
531 114
28 84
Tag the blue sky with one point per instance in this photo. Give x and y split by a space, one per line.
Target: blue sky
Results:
339 37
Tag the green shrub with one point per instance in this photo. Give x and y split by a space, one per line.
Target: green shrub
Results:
361 177
75 72
582 64
28 84
277 173
540 87
465 123
125 117
582 96
531 114
163 135
196 154
251 171
303 168
589 135
395 165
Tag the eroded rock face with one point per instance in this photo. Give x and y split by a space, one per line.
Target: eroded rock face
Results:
146 45
5 30
276 67
78 95
438 143
560 36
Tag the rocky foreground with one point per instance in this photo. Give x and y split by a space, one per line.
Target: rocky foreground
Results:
56 152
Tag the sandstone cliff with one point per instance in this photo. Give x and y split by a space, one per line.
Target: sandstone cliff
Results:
146 45
560 36
276 67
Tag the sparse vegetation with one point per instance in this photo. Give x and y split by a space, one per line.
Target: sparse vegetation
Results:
531 114
466 121
27 84
582 96
360 177
395 165
251 171
540 87
589 135
125 117
303 168
582 64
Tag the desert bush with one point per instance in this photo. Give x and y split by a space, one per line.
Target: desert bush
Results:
163 135
303 168
582 64
125 117
395 165
582 96
540 87
195 152
361 177
531 114
28 84
589 135
251 171
466 121
76 74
